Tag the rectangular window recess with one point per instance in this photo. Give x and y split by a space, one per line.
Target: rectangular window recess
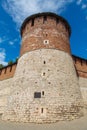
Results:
37 95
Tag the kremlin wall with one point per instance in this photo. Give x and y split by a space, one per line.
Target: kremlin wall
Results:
48 83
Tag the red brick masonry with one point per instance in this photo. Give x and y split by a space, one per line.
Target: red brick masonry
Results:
8 71
81 66
45 26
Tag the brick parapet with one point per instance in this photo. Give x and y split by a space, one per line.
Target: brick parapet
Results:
43 16
8 71
81 66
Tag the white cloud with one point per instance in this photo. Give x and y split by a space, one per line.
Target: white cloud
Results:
2 56
79 2
1 40
4 39
20 9
11 43
84 6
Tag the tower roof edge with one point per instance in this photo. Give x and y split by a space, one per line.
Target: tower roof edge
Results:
45 14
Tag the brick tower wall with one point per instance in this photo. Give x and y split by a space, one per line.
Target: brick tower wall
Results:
43 32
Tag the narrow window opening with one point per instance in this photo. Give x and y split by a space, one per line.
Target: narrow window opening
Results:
81 62
43 93
46 35
86 62
44 19
57 21
10 68
41 110
44 74
0 72
44 62
32 24
49 82
5 71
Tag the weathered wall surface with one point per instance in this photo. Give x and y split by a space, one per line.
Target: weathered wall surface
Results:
51 73
83 86
4 93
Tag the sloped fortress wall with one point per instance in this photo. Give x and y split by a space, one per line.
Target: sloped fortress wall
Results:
45 86
83 85
81 67
6 77
4 93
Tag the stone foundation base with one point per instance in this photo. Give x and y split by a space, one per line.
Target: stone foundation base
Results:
49 115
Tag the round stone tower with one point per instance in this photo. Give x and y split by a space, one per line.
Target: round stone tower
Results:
45 87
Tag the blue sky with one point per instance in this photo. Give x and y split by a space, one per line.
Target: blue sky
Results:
13 12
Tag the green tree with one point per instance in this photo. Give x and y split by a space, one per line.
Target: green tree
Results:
1 66
10 62
16 60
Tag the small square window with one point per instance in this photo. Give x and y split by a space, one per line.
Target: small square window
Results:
46 42
37 95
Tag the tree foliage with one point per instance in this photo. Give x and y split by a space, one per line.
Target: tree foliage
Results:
1 66
10 62
16 60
